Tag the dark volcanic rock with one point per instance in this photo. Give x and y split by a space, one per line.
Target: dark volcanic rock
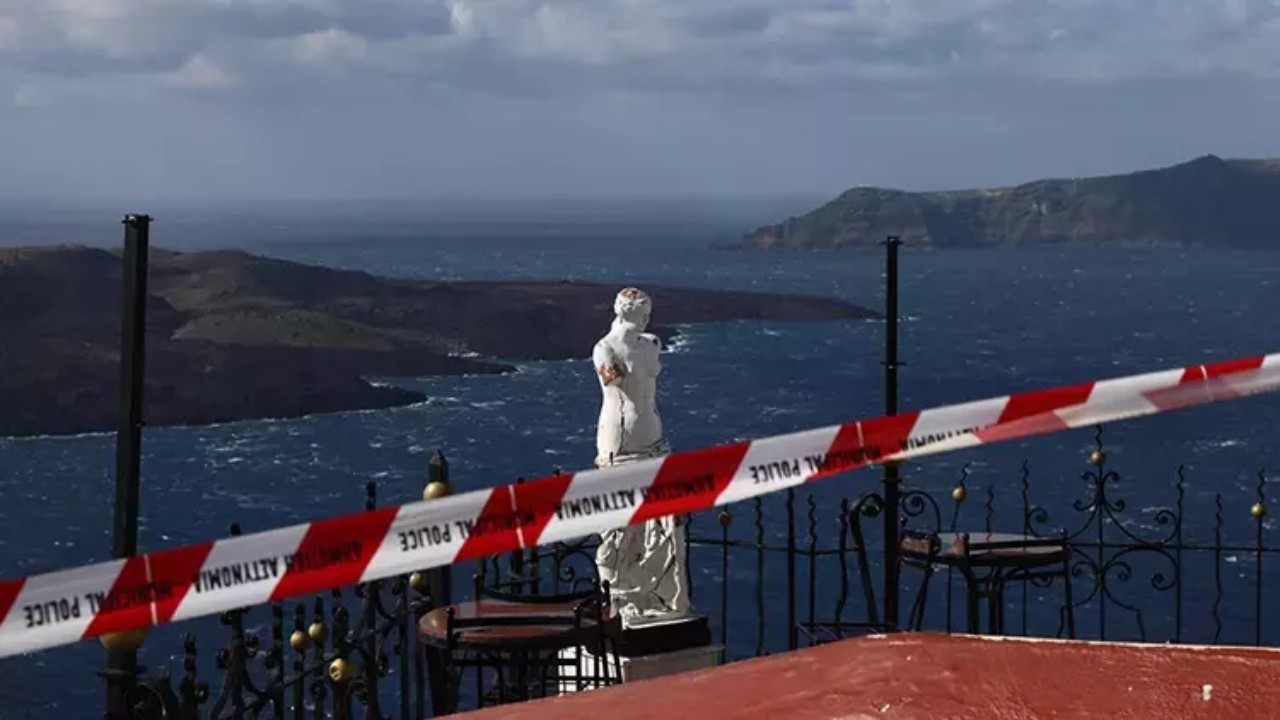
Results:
235 336
1208 201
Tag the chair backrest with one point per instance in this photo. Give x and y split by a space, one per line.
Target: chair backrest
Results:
555 572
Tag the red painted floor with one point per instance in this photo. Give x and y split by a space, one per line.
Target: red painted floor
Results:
954 677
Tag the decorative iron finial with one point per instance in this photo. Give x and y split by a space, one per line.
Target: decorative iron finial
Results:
300 641
124 640
1259 509
960 492
340 671
1098 457
437 478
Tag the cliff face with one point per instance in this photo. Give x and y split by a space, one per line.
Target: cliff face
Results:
235 336
1208 201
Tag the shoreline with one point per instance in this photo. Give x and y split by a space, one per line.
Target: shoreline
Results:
235 337
675 342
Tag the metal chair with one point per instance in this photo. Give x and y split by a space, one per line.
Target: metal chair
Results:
521 646
987 562
538 625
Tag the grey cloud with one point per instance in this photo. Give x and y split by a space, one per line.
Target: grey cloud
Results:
80 63
730 22
347 97
371 19
755 40
156 35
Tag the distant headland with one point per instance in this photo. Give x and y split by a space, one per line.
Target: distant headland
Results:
1205 202
234 336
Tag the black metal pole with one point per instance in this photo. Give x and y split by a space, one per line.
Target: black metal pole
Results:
122 657
439 587
132 359
892 483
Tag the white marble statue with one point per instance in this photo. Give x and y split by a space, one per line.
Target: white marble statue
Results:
644 564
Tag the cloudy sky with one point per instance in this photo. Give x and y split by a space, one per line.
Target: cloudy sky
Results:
532 98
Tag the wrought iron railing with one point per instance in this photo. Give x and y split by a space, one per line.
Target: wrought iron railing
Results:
774 574
353 652
1169 570
1179 553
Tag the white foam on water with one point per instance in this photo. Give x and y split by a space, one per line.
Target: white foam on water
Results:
487 404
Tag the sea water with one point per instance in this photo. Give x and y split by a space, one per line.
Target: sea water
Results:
976 323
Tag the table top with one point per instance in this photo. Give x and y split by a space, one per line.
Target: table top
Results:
993 548
494 623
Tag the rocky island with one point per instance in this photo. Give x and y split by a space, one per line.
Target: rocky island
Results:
1207 201
236 336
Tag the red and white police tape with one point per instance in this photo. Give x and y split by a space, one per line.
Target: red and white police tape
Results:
64 607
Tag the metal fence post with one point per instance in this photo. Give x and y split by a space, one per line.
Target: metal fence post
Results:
892 482
439 588
122 648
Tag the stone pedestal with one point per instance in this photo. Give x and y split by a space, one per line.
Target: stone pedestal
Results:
660 636
649 651
657 648
643 667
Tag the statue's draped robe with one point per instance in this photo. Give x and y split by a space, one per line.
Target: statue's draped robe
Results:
643 564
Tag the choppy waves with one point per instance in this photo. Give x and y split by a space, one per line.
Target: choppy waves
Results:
720 382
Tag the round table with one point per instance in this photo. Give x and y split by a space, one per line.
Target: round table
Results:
520 641
991 549
1001 557
499 624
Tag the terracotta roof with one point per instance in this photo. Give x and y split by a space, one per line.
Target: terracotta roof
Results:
925 675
